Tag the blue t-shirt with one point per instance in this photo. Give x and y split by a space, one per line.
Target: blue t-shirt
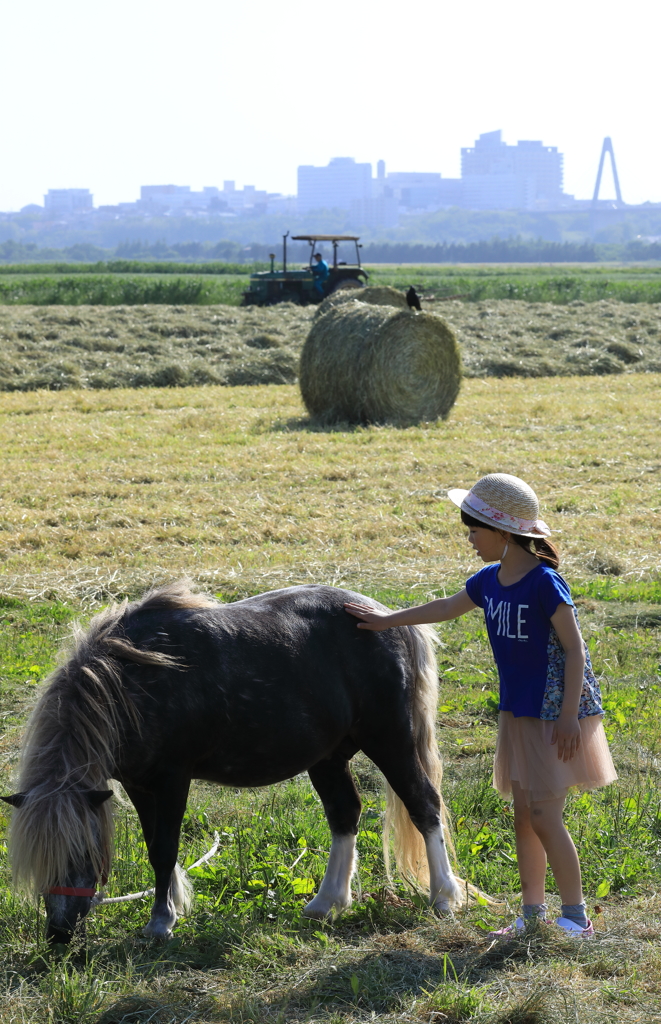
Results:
526 647
321 270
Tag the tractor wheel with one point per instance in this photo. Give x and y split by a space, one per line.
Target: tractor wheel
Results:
275 300
347 284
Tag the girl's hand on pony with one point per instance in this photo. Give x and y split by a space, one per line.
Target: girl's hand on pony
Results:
567 734
372 618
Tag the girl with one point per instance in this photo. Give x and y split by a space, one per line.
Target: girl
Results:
550 732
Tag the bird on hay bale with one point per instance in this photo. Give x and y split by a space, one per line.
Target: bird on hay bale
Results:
413 299
374 364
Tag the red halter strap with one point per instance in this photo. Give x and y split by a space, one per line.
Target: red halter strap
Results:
66 890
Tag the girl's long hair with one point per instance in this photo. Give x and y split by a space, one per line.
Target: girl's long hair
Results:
543 548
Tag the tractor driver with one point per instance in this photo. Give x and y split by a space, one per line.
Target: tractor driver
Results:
321 272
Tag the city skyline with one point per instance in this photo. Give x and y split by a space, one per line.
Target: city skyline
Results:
607 190
494 175
116 95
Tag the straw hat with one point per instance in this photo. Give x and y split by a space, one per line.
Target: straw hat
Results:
505 502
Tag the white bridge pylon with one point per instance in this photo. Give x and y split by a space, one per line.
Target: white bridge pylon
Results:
607 148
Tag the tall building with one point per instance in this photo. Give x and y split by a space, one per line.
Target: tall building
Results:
423 190
60 202
334 187
497 176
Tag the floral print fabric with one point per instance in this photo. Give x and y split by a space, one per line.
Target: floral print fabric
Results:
590 703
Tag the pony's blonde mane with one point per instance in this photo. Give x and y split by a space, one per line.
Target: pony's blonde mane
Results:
70 744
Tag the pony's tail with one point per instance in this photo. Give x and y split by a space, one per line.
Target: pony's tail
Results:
181 891
408 844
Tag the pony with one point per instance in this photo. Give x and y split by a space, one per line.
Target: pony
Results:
178 686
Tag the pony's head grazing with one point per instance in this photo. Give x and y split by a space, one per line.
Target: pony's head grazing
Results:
62 825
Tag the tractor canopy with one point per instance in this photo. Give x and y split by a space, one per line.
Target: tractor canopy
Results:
286 285
335 239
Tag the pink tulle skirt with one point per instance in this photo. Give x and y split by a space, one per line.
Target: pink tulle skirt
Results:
525 754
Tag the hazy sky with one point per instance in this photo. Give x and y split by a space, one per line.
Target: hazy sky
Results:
111 96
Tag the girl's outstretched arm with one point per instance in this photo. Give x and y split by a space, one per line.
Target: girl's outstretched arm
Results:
566 730
441 610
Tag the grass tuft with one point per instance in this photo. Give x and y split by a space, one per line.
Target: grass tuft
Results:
532 1009
73 996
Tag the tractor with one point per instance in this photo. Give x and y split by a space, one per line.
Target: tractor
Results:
270 286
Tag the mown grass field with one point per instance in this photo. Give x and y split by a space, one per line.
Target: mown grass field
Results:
238 481
105 492
97 347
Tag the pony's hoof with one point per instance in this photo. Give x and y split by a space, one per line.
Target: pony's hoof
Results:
442 908
321 910
317 914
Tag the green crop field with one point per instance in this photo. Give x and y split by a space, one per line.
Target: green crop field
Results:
529 283
104 492
105 289
126 283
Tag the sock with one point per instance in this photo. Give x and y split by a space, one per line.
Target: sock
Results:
531 910
575 912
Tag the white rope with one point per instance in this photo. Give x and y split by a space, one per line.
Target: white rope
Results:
150 892
98 900
207 856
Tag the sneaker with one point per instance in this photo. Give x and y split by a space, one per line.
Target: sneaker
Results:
518 927
575 930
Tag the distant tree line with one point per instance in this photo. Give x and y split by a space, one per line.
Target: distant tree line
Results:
232 252
494 250
29 252
643 251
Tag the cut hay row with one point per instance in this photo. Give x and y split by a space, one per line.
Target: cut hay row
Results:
374 364
92 585
59 347
91 347
519 339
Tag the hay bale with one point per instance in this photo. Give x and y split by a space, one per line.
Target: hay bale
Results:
373 295
373 364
